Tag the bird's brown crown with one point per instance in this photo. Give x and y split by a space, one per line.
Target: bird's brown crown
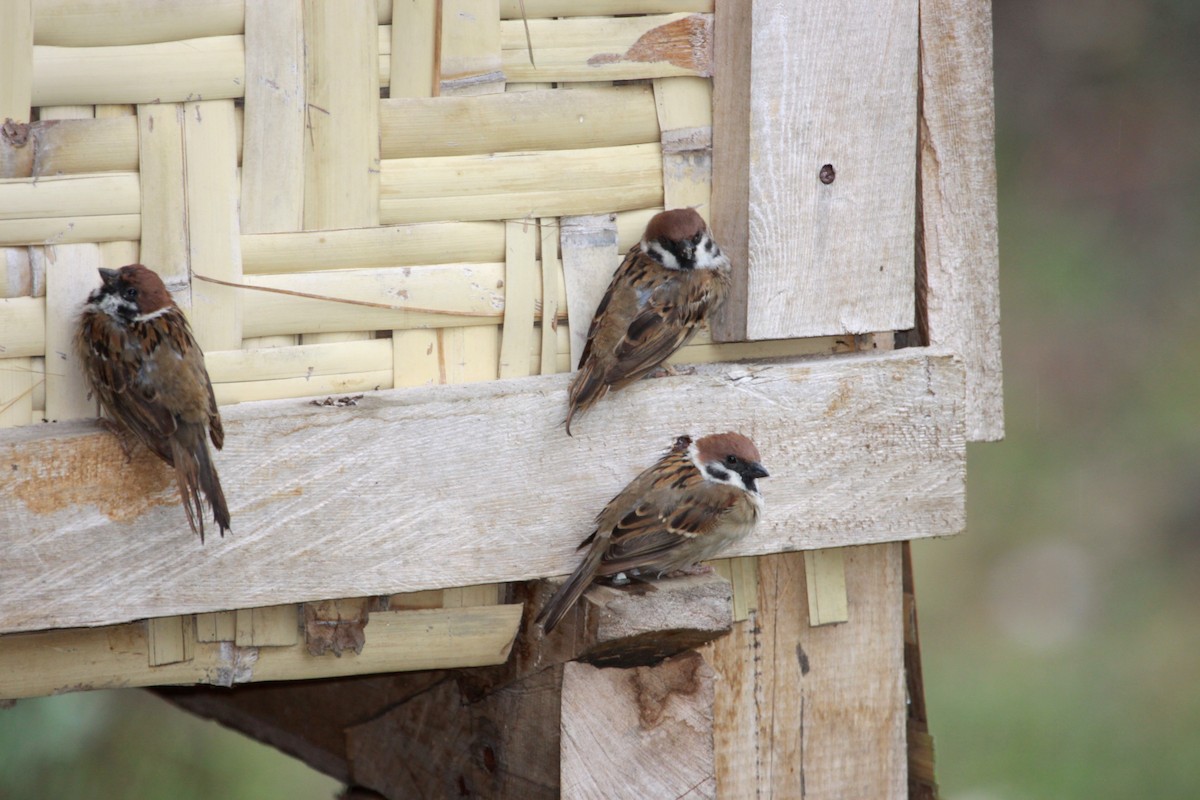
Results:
150 292
719 445
676 225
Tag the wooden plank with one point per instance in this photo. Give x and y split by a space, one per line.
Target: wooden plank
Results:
341 154
616 48
170 640
518 185
164 201
273 626
822 708
92 23
825 580
16 60
819 107
863 448
655 722
32 664
589 257
272 197
518 121
212 218
386 246
413 65
469 49
520 279
168 72
957 161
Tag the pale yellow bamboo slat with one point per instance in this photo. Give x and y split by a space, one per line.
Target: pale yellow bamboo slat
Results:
117 656
685 116
412 69
272 197
386 246
825 581
551 269
470 48
69 196
341 153
16 371
93 23
589 256
415 358
631 225
212 67
486 594
216 626
520 279
516 121
269 364
70 276
170 640
469 355
16 392
16 60
164 201
742 574
70 230
77 146
214 247
617 48
532 9
318 386
268 626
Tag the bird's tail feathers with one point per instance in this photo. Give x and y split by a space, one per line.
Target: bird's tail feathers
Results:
196 475
570 592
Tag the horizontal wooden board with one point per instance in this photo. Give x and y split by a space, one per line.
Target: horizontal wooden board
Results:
509 121
36 664
427 488
212 68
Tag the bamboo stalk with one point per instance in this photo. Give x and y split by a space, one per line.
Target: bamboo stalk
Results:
268 626
69 196
303 386
170 639
387 246
70 276
16 61
164 201
216 626
212 67
533 9
303 361
470 48
551 268
520 277
512 121
412 70
70 230
94 23
685 116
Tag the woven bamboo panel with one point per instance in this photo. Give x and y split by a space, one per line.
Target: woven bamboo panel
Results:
341 203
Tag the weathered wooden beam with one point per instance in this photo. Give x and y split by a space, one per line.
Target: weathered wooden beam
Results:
432 487
814 124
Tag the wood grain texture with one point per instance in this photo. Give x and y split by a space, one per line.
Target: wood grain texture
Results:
861 449
273 130
958 201
93 23
413 66
118 656
637 733
16 60
164 221
71 273
829 83
470 48
825 579
589 258
814 712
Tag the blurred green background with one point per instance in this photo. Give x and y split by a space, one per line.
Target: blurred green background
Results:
1061 650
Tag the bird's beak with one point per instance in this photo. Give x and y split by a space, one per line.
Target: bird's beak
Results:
108 277
756 471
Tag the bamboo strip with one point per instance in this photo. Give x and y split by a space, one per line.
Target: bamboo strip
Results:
70 230
273 158
175 71
73 146
16 61
825 581
16 392
70 276
615 48
415 358
742 574
34 664
71 111
685 116
38 367
215 626
589 256
631 225
470 48
16 274
116 111
533 9
302 361
69 196
413 43
164 202
387 246
468 354
551 268
529 204
319 386
341 154
514 121
485 594
93 23
267 626
520 278
170 640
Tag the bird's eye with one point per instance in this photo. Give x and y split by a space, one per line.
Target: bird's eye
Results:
731 460
129 293
709 245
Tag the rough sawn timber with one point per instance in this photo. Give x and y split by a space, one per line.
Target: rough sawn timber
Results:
458 485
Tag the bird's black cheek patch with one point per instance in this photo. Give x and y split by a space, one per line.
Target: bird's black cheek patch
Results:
717 473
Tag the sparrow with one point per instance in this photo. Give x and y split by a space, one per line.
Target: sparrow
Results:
699 498
141 360
667 285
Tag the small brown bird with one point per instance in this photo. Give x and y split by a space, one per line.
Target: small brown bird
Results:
667 285
142 362
699 498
